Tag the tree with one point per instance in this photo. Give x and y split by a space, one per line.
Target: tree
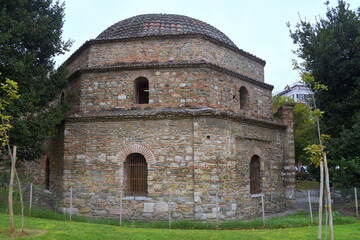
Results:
331 54
304 127
9 93
30 37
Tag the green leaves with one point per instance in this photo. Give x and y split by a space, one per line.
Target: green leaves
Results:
30 37
330 52
304 127
315 153
9 91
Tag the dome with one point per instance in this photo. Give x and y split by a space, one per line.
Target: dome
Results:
160 25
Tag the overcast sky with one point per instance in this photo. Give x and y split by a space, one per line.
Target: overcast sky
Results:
256 26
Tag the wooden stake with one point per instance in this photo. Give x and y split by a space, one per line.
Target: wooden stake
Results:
328 196
21 201
321 193
11 187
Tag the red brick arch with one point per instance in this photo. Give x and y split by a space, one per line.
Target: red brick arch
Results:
136 148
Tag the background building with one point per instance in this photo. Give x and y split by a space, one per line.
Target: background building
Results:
298 91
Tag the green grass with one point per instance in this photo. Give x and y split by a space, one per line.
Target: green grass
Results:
42 229
300 219
307 185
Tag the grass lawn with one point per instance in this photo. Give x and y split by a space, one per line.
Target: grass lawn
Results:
306 185
54 229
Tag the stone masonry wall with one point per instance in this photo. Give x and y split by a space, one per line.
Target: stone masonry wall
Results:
201 163
167 51
171 88
34 172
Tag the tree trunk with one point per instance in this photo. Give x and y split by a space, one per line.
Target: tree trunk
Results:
321 199
10 197
21 201
328 196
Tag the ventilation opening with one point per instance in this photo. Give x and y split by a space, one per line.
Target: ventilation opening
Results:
136 175
47 174
141 90
244 97
255 175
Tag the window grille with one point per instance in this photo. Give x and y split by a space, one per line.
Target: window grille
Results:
255 175
136 175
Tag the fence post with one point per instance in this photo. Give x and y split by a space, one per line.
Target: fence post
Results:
310 208
356 203
263 208
217 209
169 210
70 210
30 200
120 208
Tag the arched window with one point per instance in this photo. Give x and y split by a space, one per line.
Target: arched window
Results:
141 90
62 96
136 175
244 97
47 174
255 175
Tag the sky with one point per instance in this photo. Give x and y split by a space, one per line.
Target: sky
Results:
255 26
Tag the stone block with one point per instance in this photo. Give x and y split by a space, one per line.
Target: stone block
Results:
211 215
233 206
205 177
100 212
73 211
200 216
198 209
85 210
149 207
230 213
161 207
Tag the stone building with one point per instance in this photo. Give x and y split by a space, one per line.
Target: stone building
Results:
167 105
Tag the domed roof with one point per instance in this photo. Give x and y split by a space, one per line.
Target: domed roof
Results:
160 25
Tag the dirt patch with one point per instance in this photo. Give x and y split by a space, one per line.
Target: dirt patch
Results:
5 234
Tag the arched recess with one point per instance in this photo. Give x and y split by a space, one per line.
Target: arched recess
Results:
141 90
140 157
47 173
255 175
244 97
